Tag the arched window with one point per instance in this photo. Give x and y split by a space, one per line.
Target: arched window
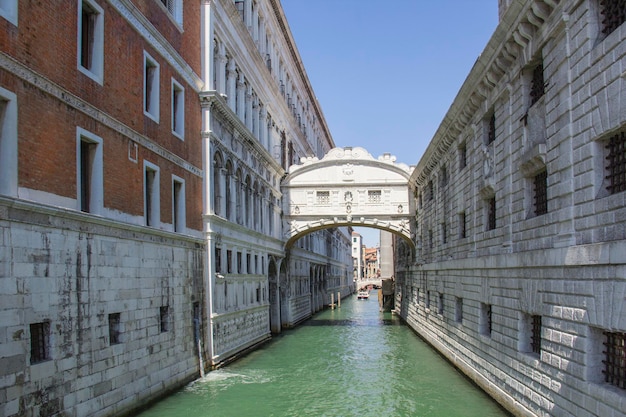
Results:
217 181
239 197
248 203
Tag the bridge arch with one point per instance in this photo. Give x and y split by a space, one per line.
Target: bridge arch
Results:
348 187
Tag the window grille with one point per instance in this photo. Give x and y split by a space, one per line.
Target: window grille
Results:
169 5
462 156
374 196
431 190
616 166
535 338
541 193
537 86
323 198
164 315
613 14
114 328
488 317
615 359
459 310
491 213
444 233
462 225
491 133
444 176
39 342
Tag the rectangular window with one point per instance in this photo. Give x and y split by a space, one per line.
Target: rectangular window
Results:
229 261
374 196
485 319
8 143
491 213
537 84
8 10
613 14
444 233
218 260
458 310
443 176
39 342
427 299
615 359
540 188
462 225
151 87
323 198
151 195
491 129
239 262
174 8
164 318
90 172
616 163
535 336
178 110
249 264
440 303
91 39
431 190
114 329
178 204
462 156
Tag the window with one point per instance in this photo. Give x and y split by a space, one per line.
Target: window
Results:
491 213
616 163
178 204
323 198
440 303
8 10
151 195
374 196
239 262
444 233
540 189
462 156
462 225
114 329
91 40
164 318
229 261
218 260
458 310
443 176
8 143
491 129
535 335
178 110
537 84
249 264
150 87
615 359
90 172
613 14
485 319
431 190
175 9
427 299
39 342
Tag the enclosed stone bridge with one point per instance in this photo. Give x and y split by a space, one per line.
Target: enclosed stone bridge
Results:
348 187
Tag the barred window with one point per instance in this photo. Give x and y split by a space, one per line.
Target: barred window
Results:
458 315
374 196
323 198
491 129
39 342
444 233
616 163
114 328
431 190
491 213
613 14
541 193
462 225
462 156
485 319
164 318
615 359
535 337
537 84
444 176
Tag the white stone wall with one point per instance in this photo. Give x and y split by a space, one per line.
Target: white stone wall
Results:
567 265
72 271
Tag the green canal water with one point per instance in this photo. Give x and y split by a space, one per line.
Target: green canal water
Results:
353 361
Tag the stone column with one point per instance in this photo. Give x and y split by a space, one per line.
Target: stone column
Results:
221 63
248 108
241 97
231 85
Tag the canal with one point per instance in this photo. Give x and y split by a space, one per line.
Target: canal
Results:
353 361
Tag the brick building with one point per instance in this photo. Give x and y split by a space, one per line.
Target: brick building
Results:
101 249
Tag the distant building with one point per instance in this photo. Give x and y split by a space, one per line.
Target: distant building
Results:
371 261
386 254
357 256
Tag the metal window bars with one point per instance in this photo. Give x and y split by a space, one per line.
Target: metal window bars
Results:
616 167
615 359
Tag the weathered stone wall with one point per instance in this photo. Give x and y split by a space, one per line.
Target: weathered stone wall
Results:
474 287
72 271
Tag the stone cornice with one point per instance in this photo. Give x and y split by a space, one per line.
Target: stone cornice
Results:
511 41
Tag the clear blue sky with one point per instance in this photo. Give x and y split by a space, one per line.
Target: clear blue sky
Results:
386 72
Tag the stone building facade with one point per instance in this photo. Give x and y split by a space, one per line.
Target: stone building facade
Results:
519 276
101 172
260 117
